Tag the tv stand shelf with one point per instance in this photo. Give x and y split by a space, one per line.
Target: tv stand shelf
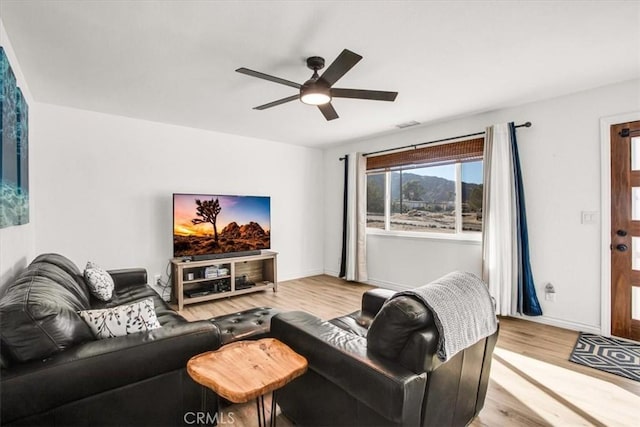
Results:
206 280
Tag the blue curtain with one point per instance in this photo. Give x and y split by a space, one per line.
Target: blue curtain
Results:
527 299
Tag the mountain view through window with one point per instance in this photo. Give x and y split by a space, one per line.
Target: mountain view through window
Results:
425 199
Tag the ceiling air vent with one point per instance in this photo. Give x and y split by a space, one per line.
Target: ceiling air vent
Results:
407 124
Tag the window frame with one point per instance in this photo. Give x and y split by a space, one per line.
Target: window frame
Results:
458 235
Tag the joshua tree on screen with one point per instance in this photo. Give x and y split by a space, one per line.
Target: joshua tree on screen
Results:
208 210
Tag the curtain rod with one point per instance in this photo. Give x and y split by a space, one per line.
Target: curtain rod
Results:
525 125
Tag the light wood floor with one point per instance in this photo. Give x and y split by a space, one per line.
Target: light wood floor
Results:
532 382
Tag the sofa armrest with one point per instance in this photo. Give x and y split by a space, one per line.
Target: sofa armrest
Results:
373 300
342 358
128 277
97 366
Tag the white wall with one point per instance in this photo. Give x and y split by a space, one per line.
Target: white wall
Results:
17 242
104 188
101 190
560 158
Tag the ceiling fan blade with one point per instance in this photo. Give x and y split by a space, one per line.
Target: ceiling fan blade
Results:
264 76
375 95
278 102
338 68
328 111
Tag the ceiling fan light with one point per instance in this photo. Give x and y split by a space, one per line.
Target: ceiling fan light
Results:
315 98
315 92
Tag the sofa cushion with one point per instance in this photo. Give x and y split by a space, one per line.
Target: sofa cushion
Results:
73 280
99 281
357 323
38 312
250 324
122 320
136 292
395 322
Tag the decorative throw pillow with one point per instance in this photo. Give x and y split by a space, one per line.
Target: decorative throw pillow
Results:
99 281
121 320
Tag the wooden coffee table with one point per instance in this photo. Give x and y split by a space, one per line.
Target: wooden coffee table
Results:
244 370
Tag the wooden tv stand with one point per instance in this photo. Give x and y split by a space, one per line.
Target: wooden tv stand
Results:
199 281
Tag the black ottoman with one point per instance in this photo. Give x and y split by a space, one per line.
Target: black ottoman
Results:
250 324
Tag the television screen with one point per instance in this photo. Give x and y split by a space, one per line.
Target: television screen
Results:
206 225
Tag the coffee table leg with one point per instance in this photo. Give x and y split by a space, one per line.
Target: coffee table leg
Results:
203 400
218 409
262 419
273 409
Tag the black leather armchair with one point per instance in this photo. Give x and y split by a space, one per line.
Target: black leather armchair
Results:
138 379
350 384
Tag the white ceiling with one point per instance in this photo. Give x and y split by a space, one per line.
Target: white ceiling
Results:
174 61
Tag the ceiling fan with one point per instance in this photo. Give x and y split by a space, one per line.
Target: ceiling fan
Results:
318 89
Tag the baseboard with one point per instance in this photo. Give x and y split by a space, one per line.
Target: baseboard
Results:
387 285
301 275
551 321
331 272
565 324
374 282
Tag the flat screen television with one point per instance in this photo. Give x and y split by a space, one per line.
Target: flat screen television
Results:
207 226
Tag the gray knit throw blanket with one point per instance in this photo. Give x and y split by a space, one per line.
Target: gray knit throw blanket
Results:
462 308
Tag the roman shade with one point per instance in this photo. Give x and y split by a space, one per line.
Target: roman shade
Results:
471 149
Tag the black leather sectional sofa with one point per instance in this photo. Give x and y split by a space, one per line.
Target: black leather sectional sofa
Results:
138 379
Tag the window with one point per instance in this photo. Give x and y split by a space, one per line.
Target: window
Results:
429 190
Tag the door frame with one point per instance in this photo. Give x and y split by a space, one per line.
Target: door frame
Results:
605 215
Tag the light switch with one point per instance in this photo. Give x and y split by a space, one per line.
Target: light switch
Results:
589 217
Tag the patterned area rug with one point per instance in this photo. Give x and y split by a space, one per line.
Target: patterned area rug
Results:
611 355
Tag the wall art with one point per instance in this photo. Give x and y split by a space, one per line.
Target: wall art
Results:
14 149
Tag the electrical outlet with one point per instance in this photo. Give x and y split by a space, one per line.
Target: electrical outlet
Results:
158 279
549 292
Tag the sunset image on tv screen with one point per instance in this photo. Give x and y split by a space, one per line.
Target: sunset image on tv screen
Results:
217 224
